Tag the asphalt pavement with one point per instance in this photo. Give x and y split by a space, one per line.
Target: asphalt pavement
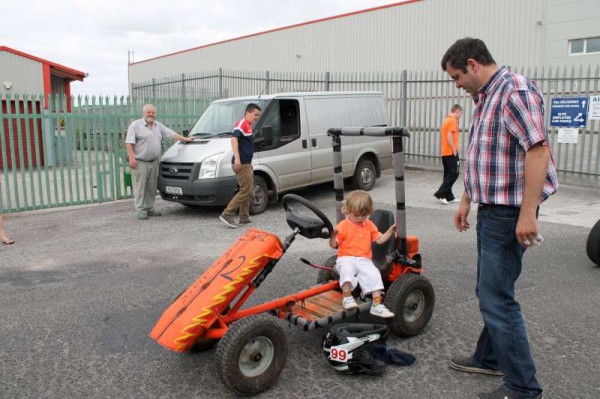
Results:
83 286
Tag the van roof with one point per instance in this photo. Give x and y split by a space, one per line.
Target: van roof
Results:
304 94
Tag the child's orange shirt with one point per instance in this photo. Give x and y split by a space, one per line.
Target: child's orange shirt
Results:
355 239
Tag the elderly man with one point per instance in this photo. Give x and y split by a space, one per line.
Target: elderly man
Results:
143 143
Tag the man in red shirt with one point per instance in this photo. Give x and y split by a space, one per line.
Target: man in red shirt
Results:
450 160
242 146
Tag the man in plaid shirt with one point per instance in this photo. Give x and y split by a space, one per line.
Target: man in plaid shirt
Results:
509 173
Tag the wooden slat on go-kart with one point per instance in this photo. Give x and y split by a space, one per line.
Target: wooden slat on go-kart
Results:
320 305
320 310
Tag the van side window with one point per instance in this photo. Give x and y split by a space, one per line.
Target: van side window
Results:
279 126
290 121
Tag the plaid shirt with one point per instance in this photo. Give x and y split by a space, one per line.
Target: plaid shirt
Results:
508 120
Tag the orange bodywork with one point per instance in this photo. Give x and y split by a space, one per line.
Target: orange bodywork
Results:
200 306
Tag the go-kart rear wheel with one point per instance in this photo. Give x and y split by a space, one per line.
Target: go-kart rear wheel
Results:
324 275
593 244
251 354
411 299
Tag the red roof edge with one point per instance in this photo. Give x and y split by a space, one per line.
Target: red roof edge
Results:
284 28
61 70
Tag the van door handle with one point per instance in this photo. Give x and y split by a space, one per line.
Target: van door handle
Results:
314 143
304 144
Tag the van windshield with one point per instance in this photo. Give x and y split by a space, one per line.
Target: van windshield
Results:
219 118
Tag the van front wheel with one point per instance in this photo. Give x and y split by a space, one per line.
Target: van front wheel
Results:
260 196
364 176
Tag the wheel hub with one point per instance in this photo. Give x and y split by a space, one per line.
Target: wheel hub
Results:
414 306
256 357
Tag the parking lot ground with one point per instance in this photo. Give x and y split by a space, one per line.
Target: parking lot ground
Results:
82 287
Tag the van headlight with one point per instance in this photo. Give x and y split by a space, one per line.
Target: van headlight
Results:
208 169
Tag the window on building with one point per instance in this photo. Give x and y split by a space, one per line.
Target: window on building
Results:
584 46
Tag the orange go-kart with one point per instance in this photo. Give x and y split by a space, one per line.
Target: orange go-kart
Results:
251 343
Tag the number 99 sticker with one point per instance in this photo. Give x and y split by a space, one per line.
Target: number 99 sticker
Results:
338 354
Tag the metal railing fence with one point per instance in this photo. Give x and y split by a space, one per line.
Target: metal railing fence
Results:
418 100
74 154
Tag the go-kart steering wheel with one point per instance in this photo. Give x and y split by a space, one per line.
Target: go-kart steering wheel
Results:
309 226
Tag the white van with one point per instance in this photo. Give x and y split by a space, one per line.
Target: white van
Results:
291 145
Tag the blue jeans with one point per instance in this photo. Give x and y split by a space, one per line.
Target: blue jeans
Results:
503 343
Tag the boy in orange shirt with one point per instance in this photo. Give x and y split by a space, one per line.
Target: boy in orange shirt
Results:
450 160
353 237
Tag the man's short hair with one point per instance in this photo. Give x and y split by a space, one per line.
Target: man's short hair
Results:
251 107
455 108
464 49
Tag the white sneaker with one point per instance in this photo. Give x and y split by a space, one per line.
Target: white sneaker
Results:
455 200
381 311
443 201
349 303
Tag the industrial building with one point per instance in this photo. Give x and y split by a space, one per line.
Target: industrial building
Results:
410 35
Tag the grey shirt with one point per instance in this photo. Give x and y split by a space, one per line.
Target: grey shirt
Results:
146 141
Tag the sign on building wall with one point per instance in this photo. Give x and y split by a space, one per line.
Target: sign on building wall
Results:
594 108
569 112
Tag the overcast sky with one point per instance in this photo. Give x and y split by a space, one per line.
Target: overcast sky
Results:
95 36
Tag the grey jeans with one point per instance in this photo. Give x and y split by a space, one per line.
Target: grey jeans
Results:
145 180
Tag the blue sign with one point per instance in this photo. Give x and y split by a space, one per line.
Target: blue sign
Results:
569 112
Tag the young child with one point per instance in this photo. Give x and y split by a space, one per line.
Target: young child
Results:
353 237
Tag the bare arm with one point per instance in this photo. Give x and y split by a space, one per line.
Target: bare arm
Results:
451 143
132 161
460 217
536 163
382 239
333 239
179 137
236 154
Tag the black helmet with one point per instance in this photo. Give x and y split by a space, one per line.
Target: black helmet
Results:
347 347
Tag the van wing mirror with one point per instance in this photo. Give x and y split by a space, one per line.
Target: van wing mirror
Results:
185 132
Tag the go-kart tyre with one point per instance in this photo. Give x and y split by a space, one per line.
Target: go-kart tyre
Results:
325 276
411 299
364 175
260 196
251 354
593 244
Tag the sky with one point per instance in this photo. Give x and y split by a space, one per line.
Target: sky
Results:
95 36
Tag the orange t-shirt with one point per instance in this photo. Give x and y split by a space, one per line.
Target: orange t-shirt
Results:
355 239
450 125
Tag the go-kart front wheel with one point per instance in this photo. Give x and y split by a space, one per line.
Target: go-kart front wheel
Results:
251 354
411 299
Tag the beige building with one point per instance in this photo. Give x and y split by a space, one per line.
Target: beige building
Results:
410 35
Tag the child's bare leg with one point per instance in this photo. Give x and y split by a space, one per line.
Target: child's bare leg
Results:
347 288
376 297
348 302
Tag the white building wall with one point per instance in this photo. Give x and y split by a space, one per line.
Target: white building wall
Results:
411 36
25 75
566 20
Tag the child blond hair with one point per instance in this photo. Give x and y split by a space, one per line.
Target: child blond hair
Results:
359 203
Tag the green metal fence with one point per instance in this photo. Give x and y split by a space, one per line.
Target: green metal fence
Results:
57 151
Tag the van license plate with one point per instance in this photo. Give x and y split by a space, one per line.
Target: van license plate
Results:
174 190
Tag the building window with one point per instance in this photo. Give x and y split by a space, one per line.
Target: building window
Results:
584 46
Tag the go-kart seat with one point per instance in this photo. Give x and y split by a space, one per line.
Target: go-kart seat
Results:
383 219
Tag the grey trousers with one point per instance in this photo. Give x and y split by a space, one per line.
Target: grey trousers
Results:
145 180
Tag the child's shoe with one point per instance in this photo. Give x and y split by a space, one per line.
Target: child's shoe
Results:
349 303
381 311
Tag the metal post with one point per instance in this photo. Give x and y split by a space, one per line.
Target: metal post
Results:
327 81
338 178
220 82
398 160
